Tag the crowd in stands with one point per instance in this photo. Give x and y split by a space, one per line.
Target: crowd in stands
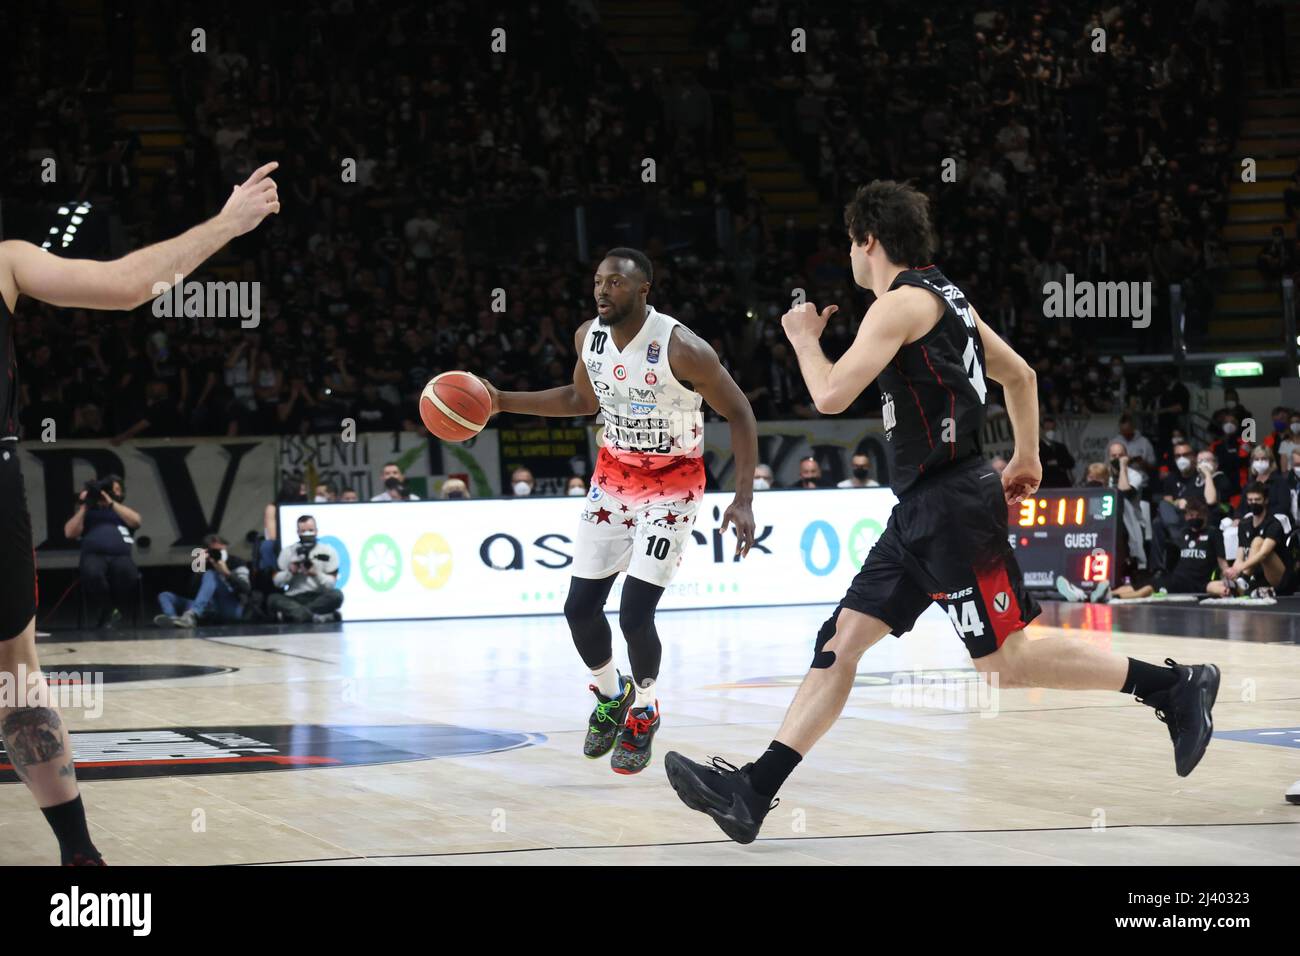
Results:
1112 166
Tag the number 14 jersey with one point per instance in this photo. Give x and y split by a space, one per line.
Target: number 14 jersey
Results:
933 390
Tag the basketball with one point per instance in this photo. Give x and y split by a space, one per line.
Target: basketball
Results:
455 406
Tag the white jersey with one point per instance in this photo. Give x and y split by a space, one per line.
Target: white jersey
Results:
651 419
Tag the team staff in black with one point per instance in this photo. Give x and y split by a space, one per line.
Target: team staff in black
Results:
1263 558
35 737
1201 565
946 540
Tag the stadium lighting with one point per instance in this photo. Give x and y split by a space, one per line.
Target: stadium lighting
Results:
1238 369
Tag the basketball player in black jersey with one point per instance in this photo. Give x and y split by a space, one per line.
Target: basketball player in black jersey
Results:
946 540
35 737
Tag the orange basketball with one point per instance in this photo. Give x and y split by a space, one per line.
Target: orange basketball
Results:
455 406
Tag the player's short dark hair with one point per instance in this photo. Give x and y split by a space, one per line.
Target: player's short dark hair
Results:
1256 488
898 215
638 259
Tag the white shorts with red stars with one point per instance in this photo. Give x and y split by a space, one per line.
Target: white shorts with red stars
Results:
638 519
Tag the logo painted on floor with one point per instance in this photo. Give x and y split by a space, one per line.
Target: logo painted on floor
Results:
1277 736
880 679
173 752
123 673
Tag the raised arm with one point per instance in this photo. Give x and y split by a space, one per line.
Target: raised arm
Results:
139 276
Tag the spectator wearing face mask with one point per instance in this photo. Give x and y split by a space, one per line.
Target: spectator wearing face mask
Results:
1264 472
1058 463
1263 560
454 488
1232 406
577 486
1211 484
1280 432
1231 454
1180 483
1168 456
394 484
1290 442
810 475
324 494
522 483
763 480
861 465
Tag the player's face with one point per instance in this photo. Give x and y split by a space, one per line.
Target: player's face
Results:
858 259
617 289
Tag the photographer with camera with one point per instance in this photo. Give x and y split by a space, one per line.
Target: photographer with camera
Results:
104 524
308 573
394 483
222 590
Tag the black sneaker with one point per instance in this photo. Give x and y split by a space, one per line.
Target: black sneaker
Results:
604 723
632 747
1185 709
722 791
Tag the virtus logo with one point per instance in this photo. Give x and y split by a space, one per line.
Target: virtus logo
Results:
218 299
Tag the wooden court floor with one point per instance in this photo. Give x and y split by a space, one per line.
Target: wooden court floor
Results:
458 742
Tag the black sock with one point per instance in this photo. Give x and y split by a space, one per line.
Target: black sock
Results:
1146 679
770 770
68 821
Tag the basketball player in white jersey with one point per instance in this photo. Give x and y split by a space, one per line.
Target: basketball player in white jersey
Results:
646 374
35 737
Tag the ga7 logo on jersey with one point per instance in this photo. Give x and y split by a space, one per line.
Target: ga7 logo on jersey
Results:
652 353
593 366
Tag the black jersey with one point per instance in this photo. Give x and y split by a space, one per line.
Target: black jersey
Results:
1199 552
1277 527
9 371
932 391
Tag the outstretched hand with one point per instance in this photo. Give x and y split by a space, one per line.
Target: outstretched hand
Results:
253 200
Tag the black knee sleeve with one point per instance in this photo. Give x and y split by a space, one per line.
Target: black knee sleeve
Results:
822 658
584 609
636 617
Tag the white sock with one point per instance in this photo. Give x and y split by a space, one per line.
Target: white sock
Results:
607 679
645 696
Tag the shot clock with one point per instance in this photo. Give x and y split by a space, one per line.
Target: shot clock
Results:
1072 532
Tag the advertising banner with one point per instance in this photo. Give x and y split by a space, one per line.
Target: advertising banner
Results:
406 560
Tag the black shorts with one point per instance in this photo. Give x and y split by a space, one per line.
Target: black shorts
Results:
17 559
946 541
1174 583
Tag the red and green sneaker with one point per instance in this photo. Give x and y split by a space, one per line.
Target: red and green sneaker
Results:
632 748
607 718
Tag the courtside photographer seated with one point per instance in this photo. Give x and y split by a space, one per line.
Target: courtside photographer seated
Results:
224 586
308 579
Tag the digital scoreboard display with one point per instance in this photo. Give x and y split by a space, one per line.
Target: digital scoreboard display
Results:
1070 532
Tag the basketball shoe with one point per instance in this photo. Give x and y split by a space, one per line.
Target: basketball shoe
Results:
1185 709
722 791
604 723
632 747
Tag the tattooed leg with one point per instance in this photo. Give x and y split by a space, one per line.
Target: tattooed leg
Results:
36 743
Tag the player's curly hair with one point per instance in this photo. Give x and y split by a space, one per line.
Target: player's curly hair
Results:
898 215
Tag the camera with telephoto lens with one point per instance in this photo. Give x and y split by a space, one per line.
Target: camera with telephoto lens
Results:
95 489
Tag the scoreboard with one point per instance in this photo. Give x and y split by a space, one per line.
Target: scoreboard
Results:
1071 532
